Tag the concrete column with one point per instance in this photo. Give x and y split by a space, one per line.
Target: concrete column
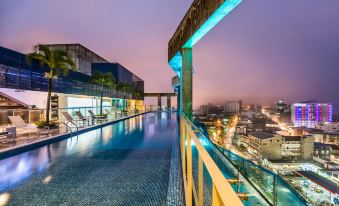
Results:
159 102
186 82
168 102
178 100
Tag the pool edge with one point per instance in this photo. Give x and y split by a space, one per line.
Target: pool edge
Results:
15 150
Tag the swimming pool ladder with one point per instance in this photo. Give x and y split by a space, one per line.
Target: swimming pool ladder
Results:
70 128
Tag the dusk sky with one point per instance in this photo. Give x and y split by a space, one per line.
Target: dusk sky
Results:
265 50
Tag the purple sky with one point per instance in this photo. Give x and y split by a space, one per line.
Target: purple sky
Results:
263 51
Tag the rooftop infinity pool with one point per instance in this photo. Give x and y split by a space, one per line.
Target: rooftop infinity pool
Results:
130 162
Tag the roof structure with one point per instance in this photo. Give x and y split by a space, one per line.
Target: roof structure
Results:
313 131
8 102
319 180
292 138
262 135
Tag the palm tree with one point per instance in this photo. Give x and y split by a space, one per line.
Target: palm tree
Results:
125 88
57 60
104 80
137 94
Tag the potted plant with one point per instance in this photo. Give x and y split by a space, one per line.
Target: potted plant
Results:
101 116
46 125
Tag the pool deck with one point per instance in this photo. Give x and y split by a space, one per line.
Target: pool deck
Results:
31 141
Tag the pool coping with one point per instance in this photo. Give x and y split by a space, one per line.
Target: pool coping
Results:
18 149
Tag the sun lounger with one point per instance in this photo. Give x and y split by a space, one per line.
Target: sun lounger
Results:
69 119
21 126
95 117
82 117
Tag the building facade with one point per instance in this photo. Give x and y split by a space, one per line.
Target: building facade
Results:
204 110
82 57
282 107
22 80
271 146
328 126
120 74
265 145
322 151
310 114
331 138
232 107
297 147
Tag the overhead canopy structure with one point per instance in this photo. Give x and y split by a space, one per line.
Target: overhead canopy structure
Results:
201 17
159 95
8 102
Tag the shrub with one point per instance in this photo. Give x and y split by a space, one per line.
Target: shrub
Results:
42 124
102 115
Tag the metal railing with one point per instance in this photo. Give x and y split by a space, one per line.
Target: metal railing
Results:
30 116
195 187
155 108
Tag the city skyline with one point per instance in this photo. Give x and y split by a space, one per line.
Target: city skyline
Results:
271 51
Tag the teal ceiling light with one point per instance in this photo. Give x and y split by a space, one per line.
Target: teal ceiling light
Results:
212 21
176 63
222 11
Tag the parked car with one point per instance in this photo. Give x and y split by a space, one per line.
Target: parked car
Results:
318 190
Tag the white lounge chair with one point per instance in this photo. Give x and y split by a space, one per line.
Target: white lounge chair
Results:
69 119
98 118
82 117
110 113
21 126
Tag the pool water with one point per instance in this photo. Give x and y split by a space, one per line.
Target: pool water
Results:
131 162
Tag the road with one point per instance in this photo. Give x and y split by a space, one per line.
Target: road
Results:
227 140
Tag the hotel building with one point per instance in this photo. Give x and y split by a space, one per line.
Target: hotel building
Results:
22 80
309 114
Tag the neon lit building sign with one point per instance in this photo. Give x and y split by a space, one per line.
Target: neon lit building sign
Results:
310 114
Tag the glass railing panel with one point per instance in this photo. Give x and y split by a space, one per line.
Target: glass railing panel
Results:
285 193
262 180
207 187
238 183
264 185
195 168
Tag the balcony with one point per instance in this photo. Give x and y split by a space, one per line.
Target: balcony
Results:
242 180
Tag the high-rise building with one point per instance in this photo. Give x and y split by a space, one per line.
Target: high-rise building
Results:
204 110
232 107
309 114
282 107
